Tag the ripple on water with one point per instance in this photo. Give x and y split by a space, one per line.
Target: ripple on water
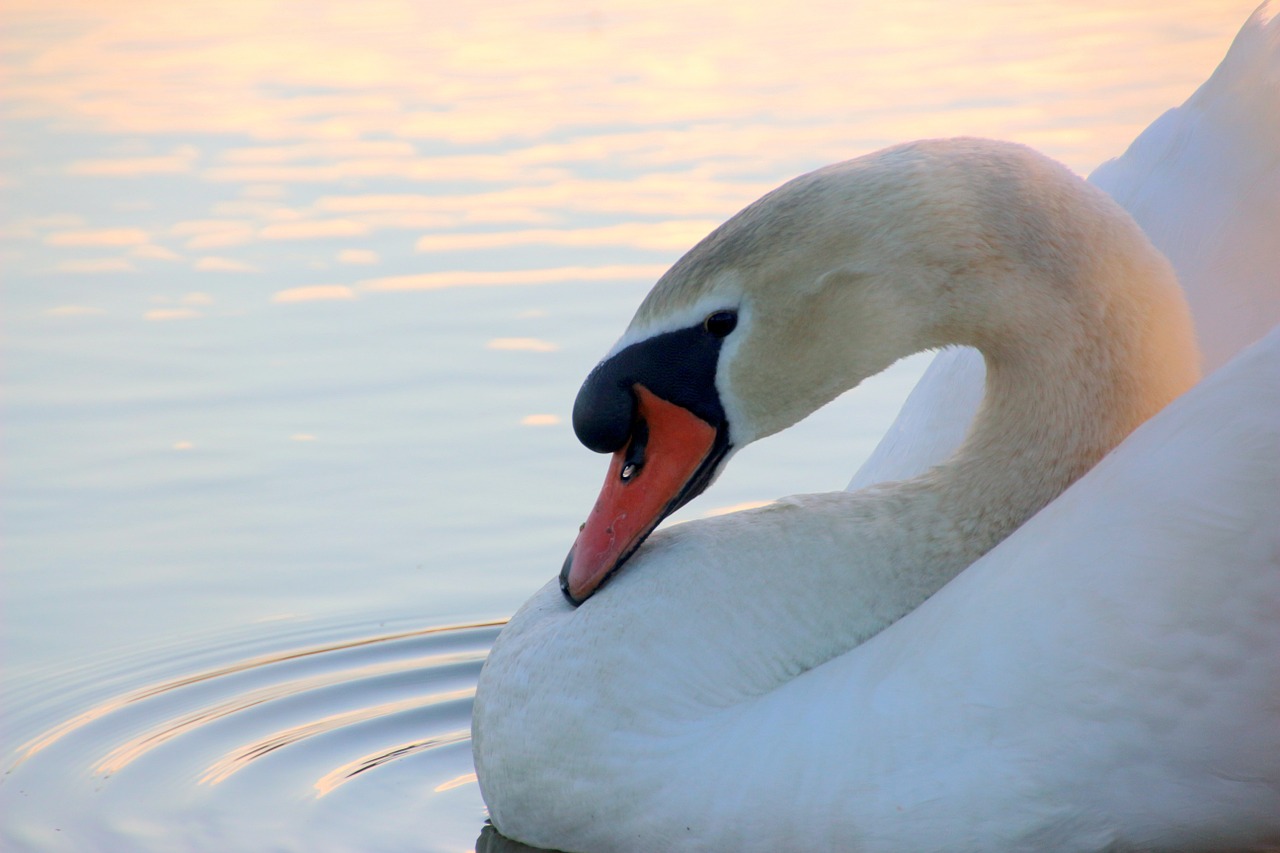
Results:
359 743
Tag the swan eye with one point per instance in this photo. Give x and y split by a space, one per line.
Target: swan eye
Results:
720 323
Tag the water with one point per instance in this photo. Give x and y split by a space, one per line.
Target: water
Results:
236 744
296 304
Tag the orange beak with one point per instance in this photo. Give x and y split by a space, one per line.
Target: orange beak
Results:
651 477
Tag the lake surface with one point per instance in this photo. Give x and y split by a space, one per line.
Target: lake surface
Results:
296 301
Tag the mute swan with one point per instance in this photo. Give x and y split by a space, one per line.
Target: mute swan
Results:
1203 181
1107 678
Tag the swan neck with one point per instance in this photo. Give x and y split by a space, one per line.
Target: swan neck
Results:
1054 407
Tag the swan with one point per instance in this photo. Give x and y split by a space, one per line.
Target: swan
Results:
1203 181
1106 677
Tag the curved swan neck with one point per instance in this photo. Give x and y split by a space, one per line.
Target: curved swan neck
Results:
1082 324
1041 426
841 272
1062 395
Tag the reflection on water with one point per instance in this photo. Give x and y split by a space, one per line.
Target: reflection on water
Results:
295 307
305 721
492 841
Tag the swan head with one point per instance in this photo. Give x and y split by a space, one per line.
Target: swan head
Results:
823 282
654 403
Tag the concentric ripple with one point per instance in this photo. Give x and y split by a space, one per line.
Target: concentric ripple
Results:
354 743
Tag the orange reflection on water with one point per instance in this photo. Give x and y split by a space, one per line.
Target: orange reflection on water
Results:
315 293
696 192
522 345
464 779
671 236
136 747
467 74
214 263
494 278
240 758
183 159
99 237
330 781
491 129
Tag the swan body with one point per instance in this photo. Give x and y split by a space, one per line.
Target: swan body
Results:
1106 677
1103 679
1203 181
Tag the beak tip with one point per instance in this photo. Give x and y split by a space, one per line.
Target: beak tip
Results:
564 580
684 451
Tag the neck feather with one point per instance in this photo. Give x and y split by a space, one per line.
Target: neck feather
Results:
1058 399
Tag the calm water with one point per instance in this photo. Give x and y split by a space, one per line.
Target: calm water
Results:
296 301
